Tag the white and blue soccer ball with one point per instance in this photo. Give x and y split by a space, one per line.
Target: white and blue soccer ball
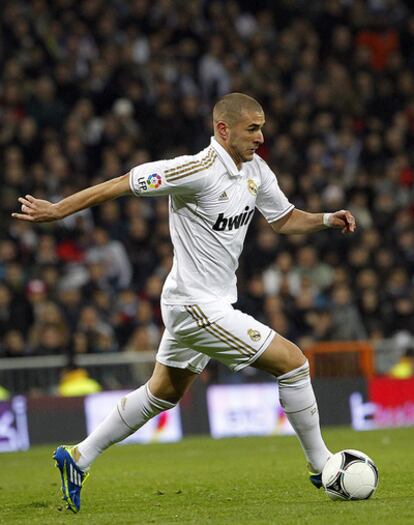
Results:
350 475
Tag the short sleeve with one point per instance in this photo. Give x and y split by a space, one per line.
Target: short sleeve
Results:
271 201
164 177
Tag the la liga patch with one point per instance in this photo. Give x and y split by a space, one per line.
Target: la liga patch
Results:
154 181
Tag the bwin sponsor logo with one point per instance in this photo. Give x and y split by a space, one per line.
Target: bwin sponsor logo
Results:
229 223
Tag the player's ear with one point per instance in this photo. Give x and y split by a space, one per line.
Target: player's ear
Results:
222 129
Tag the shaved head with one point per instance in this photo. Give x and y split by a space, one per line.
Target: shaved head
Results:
238 121
232 107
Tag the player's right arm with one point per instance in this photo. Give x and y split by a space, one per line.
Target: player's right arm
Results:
163 177
39 210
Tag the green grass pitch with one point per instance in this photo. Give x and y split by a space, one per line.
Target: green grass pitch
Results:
203 481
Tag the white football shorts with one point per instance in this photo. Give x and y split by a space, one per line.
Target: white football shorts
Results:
195 333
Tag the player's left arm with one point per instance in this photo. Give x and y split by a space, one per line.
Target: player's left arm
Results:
299 221
285 218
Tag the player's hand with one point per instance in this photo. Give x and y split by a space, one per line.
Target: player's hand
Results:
36 210
342 220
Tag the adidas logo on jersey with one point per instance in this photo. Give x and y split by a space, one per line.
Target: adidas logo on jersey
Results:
229 223
223 197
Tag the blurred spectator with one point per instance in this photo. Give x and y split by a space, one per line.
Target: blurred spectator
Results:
346 320
373 314
404 368
76 382
321 323
4 394
71 301
99 333
15 311
113 256
13 345
309 269
49 329
282 273
44 107
380 40
51 341
252 300
141 340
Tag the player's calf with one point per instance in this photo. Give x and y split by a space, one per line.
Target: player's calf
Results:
285 360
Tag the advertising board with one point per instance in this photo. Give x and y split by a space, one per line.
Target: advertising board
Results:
246 410
165 427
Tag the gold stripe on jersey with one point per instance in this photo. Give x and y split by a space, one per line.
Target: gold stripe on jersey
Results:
229 334
193 169
203 168
201 165
188 165
182 166
203 322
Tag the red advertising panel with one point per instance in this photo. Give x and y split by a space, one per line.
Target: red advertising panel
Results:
394 401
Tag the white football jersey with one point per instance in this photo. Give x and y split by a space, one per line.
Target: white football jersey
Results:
211 205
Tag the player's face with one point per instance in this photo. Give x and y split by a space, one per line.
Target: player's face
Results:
245 136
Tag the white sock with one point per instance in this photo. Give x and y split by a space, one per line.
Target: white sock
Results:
131 412
298 401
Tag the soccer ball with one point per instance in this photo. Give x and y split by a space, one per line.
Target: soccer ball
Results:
350 474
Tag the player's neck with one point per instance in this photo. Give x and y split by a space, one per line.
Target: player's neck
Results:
232 152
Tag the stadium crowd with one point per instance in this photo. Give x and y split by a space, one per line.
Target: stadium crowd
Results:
91 88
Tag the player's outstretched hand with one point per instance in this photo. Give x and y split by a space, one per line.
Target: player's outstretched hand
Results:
36 210
342 220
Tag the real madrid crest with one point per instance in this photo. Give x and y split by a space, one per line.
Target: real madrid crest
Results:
252 187
254 335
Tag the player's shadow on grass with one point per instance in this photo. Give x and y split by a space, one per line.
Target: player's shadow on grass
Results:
34 505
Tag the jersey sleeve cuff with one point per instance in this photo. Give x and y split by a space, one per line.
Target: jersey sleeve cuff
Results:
274 218
131 183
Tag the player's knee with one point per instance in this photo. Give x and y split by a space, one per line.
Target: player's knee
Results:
165 391
291 359
172 396
162 387
280 357
169 383
297 358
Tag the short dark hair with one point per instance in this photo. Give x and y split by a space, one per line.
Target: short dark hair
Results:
231 107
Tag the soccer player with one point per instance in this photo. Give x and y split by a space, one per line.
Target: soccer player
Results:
212 198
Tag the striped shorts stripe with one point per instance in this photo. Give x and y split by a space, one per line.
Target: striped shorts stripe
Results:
195 333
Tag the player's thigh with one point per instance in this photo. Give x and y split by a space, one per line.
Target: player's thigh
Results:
176 368
280 357
223 333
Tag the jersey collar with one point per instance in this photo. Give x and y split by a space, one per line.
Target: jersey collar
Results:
225 158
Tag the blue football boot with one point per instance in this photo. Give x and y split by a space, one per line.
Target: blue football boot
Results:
315 477
72 477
